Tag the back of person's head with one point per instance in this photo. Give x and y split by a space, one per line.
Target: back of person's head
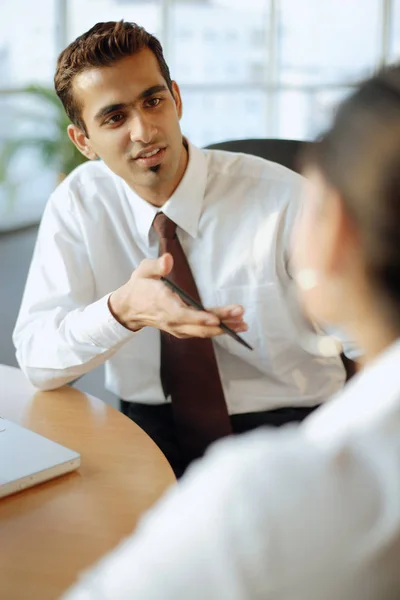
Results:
359 158
102 46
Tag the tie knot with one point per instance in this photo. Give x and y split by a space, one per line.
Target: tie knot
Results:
164 227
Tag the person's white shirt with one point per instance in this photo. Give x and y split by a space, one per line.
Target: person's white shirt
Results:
304 513
234 214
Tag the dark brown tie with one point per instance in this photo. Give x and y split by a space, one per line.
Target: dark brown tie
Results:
189 370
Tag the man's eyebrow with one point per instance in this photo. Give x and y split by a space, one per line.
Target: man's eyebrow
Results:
155 89
106 110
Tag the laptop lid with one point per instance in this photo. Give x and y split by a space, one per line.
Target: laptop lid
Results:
27 458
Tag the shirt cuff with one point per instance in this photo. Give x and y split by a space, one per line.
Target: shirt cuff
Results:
99 326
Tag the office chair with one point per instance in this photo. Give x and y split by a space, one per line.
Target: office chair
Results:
283 152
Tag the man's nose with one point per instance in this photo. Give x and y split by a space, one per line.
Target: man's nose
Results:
142 130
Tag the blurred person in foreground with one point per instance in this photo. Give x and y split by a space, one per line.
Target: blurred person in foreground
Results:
310 512
220 224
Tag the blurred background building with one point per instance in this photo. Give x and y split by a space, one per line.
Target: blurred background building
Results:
247 68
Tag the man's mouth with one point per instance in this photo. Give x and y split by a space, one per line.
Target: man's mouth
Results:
152 153
151 157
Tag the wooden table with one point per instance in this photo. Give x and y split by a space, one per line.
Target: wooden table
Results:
49 533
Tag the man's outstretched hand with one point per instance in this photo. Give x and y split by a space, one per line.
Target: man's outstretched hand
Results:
145 301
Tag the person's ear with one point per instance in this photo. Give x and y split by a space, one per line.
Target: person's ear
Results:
177 97
340 234
79 139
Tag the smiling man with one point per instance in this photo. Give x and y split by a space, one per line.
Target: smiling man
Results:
218 224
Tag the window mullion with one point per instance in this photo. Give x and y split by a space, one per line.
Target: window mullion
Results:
385 32
272 74
61 29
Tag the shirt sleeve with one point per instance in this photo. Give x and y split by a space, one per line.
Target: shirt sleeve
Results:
260 517
63 330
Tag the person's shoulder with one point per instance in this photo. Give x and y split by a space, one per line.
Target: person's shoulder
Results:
248 166
83 183
243 458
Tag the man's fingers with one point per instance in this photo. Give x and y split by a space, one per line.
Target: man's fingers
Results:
190 316
166 263
196 331
189 331
204 331
224 313
155 268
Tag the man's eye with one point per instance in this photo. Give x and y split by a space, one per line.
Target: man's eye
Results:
114 119
153 102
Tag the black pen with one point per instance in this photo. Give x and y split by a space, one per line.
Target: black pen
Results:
192 302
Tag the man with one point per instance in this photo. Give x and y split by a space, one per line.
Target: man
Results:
221 223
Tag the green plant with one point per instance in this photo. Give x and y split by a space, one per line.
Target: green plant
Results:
54 146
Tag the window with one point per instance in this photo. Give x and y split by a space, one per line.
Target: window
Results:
210 35
303 114
256 71
231 36
258 38
83 14
224 44
27 51
341 44
27 56
223 115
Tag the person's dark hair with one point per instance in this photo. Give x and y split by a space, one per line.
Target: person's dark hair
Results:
360 157
102 46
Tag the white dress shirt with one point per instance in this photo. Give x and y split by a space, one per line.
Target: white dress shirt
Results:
234 214
302 513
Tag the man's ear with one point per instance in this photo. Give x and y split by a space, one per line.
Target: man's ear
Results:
177 97
79 139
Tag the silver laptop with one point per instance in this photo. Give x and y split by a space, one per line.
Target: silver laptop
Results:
27 458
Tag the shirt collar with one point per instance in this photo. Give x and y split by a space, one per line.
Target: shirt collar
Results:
369 396
185 205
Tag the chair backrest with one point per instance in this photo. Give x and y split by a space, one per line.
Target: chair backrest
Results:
283 152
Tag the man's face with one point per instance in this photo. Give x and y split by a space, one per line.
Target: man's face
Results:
129 112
